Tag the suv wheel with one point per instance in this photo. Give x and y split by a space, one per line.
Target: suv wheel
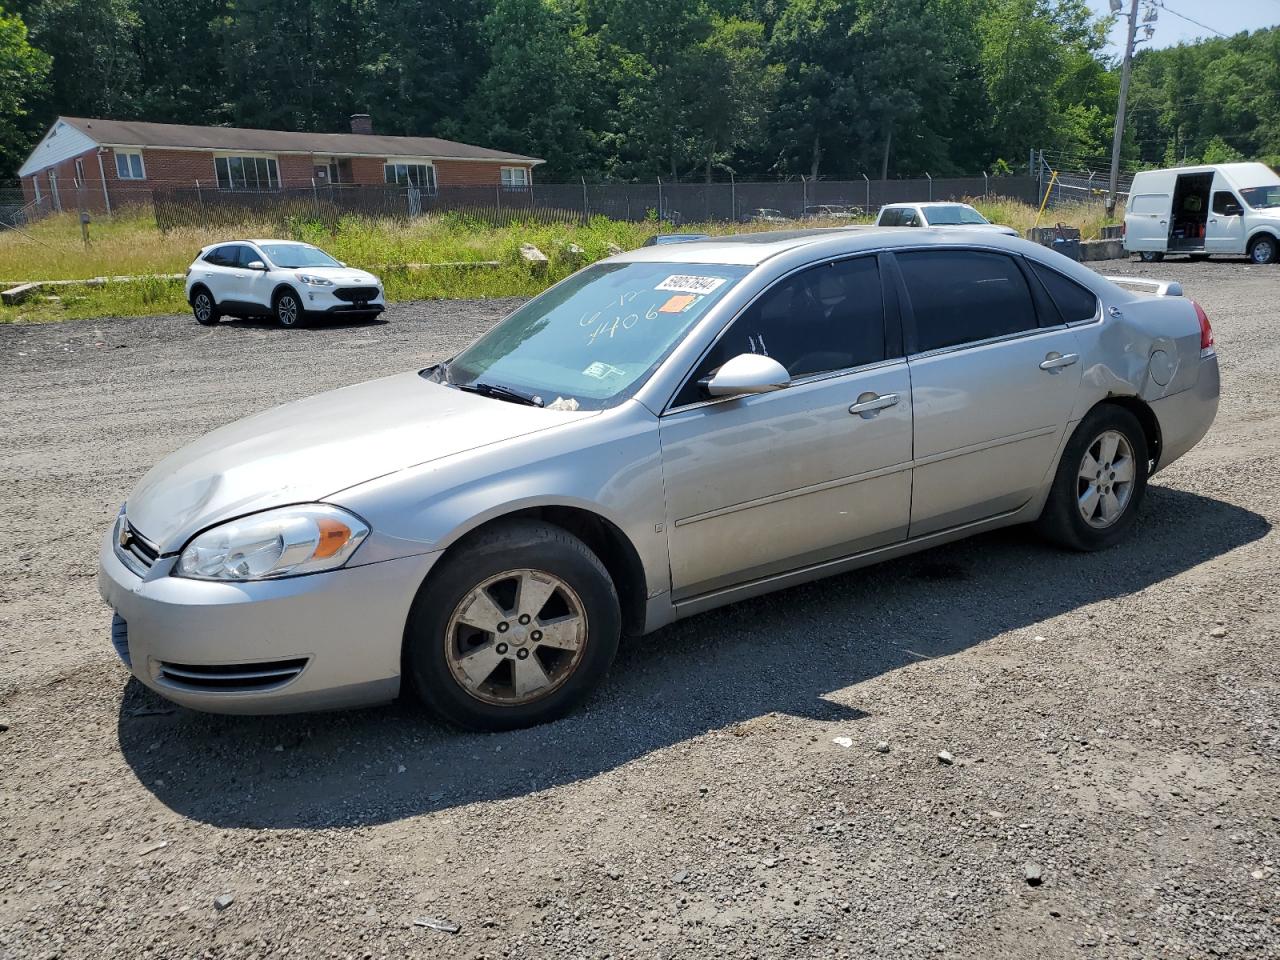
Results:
1100 482
513 630
205 310
289 312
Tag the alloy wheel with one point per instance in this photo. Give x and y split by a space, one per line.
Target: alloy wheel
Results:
1105 479
288 310
203 307
516 637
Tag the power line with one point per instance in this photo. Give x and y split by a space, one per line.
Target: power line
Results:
1184 17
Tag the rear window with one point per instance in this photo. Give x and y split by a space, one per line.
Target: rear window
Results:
1074 302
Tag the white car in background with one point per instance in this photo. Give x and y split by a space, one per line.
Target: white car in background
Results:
939 214
283 279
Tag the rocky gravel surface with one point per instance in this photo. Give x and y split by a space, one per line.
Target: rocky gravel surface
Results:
993 749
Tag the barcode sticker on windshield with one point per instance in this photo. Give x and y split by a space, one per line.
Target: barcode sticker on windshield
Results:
688 284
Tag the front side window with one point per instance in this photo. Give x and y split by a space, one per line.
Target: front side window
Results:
129 165
964 296
247 173
824 318
909 218
515 178
593 339
1226 204
953 214
420 175
288 256
1075 303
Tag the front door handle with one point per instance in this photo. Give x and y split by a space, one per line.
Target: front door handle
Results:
874 402
1056 361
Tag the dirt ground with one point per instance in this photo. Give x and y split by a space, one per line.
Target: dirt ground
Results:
1114 721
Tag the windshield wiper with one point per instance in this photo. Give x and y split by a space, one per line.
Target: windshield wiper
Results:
499 392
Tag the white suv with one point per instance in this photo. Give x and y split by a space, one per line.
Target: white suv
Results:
938 214
278 278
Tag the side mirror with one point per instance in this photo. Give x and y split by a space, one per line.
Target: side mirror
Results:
256 265
1233 210
748 373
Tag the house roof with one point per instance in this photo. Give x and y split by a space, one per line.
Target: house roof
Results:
137 133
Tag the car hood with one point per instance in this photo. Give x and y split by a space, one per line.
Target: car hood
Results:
309 449
977 226
338 275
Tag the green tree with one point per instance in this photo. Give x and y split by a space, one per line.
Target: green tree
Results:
23 74
95 61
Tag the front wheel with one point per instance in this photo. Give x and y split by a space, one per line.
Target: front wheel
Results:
1151 256
289 311
1100 482
514 629
1263 249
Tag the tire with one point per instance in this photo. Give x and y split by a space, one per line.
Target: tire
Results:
1151 256
469 646
288 310
1063 519
1263 249
204 308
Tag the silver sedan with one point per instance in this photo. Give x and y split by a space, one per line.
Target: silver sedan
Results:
664 432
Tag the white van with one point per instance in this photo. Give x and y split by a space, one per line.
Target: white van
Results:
1227 208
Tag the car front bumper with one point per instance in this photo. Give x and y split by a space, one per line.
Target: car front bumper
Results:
323 641
324 300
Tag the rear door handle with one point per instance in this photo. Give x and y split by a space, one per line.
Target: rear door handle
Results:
1056 361
873 402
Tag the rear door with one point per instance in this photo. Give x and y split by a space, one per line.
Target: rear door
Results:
992 388
1146 222
1225 231
218 271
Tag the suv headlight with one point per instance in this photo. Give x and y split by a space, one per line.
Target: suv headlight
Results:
286 542
313 281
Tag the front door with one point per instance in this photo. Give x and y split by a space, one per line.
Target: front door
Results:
1225 232
992 389
759 485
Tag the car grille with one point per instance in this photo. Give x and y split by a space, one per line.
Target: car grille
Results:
120 638
354 294
229 677
135 551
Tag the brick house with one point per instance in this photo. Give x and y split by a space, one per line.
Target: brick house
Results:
95 164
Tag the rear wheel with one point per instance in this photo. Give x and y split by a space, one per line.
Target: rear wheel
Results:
289 311
513 630
1151 256
202 306
1263 249
1100 482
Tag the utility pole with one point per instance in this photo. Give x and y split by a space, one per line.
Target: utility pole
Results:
1125 70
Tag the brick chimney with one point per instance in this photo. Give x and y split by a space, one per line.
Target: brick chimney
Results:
361 123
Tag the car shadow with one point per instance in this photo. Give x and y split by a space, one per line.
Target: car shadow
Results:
783 653
319 323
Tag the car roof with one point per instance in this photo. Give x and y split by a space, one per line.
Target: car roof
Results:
929 203
752 249
259 242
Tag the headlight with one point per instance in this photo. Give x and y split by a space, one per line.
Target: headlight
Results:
312 280
286 542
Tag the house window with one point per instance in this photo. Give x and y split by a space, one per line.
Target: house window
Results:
246 173
515 178
420 175
79 172
129 165
35 182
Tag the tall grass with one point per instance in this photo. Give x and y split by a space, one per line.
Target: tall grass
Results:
130 245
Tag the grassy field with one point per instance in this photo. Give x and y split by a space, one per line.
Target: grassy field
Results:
132 246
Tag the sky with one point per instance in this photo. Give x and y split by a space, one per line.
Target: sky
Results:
1226 16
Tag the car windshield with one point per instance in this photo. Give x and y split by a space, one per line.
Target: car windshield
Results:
289 255
592 340
1259 197
953 214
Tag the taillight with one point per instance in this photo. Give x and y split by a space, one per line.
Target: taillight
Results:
1206 331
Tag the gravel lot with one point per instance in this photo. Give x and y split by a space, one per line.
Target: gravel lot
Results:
1114 721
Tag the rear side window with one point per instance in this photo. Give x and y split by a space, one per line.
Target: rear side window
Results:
222 256
889 218
963 296
828 317
1149 203
1076 303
